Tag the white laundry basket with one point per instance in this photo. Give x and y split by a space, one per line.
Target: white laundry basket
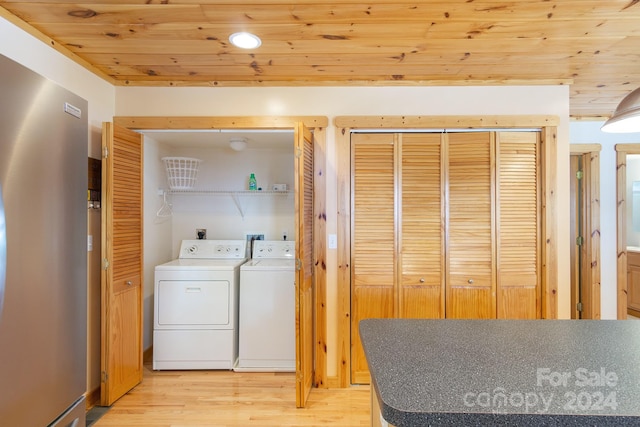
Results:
182 172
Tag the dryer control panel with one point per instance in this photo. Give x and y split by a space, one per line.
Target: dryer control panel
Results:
213 249
280 249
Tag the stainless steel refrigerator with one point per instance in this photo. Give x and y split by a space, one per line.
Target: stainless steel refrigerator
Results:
43 251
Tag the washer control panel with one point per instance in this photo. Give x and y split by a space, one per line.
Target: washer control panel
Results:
280 249
213 249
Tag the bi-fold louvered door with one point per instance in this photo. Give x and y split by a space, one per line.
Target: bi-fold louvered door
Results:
420 214
469 220
518 224
443 226
373 280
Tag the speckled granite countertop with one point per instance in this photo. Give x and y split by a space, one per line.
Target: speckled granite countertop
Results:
505 372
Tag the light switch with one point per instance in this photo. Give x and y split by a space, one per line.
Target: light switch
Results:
333 241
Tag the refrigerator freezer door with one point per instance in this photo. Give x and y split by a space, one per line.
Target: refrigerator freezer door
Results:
43 175
3 253
76 416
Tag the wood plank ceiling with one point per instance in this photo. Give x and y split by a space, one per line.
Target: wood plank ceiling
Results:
593 45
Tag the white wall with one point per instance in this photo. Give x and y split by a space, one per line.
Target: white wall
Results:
232 217
157 230
335 101
588 132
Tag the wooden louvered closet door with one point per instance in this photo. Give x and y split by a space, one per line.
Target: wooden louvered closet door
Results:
304 284
470 286
421 273
373 251
444 226
122 272
518 259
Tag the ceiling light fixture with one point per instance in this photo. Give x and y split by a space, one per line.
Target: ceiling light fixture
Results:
238 144
626 118
245 40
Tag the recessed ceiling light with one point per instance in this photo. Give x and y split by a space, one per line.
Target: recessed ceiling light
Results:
245 40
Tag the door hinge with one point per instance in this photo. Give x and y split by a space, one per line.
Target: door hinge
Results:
298 264
105 264
298 153
579 306
105 152
579 174
105 377
579 240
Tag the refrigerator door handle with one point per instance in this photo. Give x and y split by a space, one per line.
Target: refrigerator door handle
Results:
3 252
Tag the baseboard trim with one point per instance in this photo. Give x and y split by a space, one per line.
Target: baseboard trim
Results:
147 355
331 382
92 398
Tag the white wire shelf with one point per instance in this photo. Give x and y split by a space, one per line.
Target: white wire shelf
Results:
236 195
197 192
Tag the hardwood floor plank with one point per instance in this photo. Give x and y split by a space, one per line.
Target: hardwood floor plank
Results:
224 399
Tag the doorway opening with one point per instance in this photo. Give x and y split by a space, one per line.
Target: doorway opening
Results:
309 192
585 231
628 272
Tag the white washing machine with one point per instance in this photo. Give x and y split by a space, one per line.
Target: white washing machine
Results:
267 309
196 306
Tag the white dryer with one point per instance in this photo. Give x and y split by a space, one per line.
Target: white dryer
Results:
195 306
267 309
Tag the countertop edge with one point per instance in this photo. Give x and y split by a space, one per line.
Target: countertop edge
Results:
379 345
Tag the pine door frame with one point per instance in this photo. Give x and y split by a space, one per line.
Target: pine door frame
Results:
591 160
622 150
318 125
346 124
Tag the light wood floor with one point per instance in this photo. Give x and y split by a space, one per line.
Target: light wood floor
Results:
223 398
